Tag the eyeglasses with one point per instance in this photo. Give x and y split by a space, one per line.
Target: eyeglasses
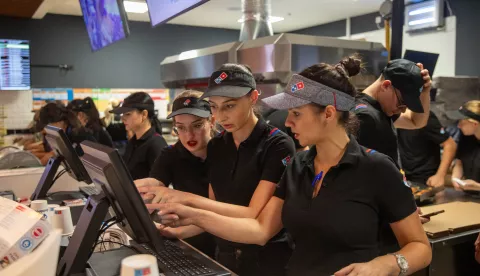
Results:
196 128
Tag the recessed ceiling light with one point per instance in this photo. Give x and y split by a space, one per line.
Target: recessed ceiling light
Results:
135 7
272 19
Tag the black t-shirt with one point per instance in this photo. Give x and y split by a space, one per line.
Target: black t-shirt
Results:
420 149
376 128
469 153
177 166
235 174
340 226
140 154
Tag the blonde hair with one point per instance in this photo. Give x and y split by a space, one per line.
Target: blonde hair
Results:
474 107
195 94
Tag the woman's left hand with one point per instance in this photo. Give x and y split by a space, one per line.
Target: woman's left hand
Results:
470 185
376 267
175 214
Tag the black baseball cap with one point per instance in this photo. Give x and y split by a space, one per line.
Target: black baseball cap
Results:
461 114
50 113
190 105
80 105
406 76
135 101
230 83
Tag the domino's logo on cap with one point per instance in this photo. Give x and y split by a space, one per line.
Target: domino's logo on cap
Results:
220 78
298 86
186 102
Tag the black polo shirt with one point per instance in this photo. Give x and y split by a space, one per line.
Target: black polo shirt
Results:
420 149
469 153
235 173
376 128
177 166
140 154
340 226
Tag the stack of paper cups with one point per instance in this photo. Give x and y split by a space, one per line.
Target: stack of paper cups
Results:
139 265
62 219
40 206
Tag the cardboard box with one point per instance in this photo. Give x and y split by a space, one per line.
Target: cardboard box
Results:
21 231
458 217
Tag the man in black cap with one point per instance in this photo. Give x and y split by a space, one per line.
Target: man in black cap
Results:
400 98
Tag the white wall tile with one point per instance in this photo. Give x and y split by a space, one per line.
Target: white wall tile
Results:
17 107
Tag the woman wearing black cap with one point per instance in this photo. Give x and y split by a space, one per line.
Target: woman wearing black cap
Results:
245 162
331 198
183 165
56 114
138 115
467 164
87 114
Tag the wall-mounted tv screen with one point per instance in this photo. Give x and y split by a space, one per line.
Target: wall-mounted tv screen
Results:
162 11
106 22
14 64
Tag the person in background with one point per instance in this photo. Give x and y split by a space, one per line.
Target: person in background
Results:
277 119
183 165
400 98
138 116
467 163
245 162
420 153
87 114
56 114
331 198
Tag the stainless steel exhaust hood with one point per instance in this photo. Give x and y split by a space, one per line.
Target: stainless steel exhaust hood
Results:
273 59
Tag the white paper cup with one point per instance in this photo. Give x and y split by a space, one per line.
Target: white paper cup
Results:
41 206
51 211
62 219
139 265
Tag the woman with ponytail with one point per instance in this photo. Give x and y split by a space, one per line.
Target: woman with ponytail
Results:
138 115
87 114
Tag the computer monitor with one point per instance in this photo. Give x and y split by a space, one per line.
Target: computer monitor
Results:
106 22
14 64
121 197
162 11
66 155
429 60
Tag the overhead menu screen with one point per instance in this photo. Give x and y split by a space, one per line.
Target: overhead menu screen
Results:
14 64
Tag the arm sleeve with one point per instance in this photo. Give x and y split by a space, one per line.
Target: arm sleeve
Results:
394 197
277 157
434 131
161 169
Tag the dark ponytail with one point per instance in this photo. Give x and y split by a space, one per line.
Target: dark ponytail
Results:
338 77
57 112
156 124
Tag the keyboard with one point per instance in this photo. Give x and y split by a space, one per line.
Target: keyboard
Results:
89 190
176 262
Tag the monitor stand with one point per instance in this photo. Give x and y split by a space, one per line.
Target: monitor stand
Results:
47 179
85 235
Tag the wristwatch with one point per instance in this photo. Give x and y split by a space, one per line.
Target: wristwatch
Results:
402 263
